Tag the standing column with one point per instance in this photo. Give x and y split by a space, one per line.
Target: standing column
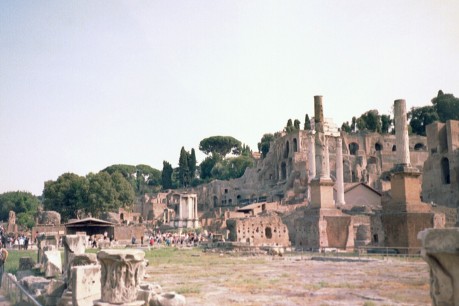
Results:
401 133
312 157
322 172
339 172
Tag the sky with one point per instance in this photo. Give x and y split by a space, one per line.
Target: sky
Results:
88 84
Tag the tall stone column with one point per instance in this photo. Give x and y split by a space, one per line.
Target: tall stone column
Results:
321 185
312 157
401 133
339 172
321 145
311 162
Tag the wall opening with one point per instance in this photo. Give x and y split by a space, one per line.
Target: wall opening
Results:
268 233
353 148
283 171
295 145
287 149
445 178
375 238
419 147
394 148
378 146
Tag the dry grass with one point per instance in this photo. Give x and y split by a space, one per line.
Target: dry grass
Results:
215 279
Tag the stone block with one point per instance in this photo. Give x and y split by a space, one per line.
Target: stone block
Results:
26 263
440 250
52 263
23 273
86 287
168 299
54 292
34 283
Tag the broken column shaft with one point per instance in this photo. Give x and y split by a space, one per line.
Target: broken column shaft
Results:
339 172
401 133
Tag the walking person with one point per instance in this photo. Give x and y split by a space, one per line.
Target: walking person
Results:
3 257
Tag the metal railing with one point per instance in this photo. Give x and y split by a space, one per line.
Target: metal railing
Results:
16 293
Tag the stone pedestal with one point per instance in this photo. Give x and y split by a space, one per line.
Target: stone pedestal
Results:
122 272
440 250
322 193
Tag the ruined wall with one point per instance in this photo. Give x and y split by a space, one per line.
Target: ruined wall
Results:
266 230
124 233
401 229
283 174
440 183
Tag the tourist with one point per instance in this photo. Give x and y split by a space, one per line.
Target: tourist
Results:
26 243
3 257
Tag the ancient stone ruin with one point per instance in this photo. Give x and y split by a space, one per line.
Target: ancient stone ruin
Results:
440 251
112 277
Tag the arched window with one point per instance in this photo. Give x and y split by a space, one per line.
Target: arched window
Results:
353 148
378 146
295 145
394 148
419 147
287 149
445 178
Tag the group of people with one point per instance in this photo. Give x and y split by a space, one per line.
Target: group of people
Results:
19 241
168 239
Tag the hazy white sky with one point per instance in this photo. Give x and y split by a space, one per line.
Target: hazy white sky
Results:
88 84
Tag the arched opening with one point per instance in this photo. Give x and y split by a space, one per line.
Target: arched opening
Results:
287 149
122 217
268 233
215 201
419 147
353 148
283 171
378 146
230 202
295 145
445 178
394 148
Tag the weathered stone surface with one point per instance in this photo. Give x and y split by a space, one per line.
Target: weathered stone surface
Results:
23 273
267 229
122 272
26 263
86 287
168 299
79 260
147 292
441 251
49 218
52 263
34 283
73 245
54 292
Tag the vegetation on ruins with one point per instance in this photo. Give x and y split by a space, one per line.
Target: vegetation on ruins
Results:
166 176
24 204
291 127
221 145
444 107
72 195
187 167
307 123
142 178
265 143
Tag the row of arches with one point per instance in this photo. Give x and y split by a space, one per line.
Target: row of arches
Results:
287 147
354 147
